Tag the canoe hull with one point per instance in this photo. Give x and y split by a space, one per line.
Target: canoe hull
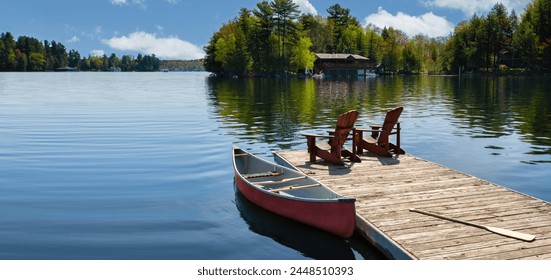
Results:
336 215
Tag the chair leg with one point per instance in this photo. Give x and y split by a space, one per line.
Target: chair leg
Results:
357 141
312 149
397 149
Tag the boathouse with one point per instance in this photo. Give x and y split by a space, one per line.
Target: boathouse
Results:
66 69
343 65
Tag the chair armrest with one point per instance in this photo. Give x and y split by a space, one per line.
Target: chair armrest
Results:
318 135
369 130
380 125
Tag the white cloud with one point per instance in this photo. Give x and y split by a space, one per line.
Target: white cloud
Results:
119 2
469 7
97 52
146 43
427 24
73 39
139 3
306 7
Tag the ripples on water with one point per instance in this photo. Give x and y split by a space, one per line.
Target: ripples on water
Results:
138 166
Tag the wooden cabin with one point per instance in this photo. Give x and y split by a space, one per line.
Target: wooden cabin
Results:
340 65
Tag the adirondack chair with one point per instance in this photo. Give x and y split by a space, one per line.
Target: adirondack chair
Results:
333 151
379 140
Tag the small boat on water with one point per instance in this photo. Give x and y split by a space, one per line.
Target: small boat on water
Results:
292 194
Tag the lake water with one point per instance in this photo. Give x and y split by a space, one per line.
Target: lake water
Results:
138 165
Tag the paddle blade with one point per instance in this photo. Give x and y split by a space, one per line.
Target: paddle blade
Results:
513 234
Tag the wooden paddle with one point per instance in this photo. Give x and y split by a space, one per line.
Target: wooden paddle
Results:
500 231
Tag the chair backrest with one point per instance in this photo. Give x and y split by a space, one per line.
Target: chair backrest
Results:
391 119
345 123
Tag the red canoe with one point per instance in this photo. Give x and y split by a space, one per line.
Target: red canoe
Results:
292 194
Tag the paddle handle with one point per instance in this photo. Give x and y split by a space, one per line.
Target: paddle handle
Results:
446 218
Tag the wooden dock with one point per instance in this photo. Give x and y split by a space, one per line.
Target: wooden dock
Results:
386 188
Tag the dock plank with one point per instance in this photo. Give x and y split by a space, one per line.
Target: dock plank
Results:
386 188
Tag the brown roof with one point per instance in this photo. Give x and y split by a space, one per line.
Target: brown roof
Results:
340 56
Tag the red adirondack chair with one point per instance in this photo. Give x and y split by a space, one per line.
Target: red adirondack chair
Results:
333 150
379 140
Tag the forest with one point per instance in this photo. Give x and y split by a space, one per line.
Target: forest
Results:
27 54
275 38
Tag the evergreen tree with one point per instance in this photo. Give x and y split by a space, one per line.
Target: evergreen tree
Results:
285 14
263 57
73 59
315 27
533 37
127 63
8 59
340 20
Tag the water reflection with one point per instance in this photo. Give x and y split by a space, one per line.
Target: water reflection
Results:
277 111
310 242
490 107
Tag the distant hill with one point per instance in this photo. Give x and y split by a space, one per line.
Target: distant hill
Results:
182 65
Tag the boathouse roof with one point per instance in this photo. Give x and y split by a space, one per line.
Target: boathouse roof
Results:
340 56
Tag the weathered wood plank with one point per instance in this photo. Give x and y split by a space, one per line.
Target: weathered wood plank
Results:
457 247
385 189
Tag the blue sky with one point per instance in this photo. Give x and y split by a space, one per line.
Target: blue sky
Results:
178 29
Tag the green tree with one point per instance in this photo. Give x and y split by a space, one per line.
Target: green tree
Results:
104 63
373 46
127 63
96 63
22 60
264 55
315 28
232 54
31 54
285 12
533 37
148 63
500 33
73 59
525 44
302 57
340 20
411 61
36 62
353 40
55 54
461 49
8 59
210 63
393 42
84 65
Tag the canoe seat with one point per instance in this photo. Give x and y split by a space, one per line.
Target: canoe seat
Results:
297 187
282 181
263 174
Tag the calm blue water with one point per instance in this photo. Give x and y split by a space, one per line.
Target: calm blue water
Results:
138 165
